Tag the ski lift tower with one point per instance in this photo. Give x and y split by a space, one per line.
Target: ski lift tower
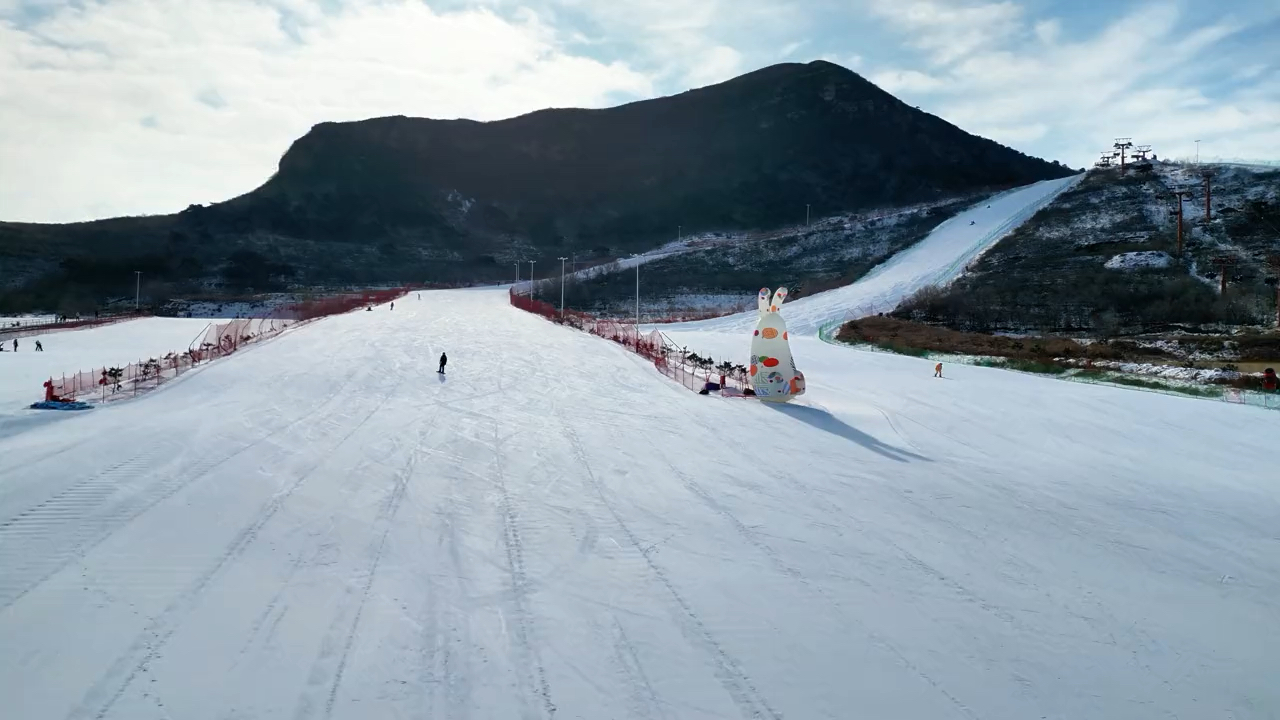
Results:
1104 161
1207 176
1180 196
1274 281
1121 145
1224 263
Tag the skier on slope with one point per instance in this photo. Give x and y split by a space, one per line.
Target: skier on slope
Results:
393 306
443 359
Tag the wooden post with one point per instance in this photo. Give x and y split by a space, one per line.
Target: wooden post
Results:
1208 196
1275 270
1223 262
1180 196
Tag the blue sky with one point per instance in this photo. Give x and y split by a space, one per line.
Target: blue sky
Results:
112 107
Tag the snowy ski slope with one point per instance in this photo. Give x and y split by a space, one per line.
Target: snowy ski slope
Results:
23 373
325 528
937 259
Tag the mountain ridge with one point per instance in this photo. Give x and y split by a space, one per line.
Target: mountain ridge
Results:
401 198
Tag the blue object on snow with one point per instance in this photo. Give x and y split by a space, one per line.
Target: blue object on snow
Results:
73 405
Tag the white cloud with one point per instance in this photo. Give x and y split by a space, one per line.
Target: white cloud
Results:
949 31
790 48
1018 81
144 106
906 81
715 65
1249 72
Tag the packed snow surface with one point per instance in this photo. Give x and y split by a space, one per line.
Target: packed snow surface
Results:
323 527
1140 259
22 374
937 259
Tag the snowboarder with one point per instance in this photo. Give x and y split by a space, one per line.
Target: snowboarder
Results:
15 344
1269 380
937 370
393 306
443 359
39 347
972 222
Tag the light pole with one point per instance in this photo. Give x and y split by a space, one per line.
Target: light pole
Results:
637 257
1197 152
679 233
137 288
806 215
562 285
531 279
517 288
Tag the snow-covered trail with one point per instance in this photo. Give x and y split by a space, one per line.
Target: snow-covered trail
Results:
23 373
937 259
322 527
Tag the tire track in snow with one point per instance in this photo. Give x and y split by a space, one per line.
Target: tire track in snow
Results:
643 693
320 674
440 668
729 669
149 644
514 545
795 574
79 531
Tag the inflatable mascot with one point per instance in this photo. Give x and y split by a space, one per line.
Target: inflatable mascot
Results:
774 376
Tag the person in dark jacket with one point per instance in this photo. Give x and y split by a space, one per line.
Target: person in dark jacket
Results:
443 359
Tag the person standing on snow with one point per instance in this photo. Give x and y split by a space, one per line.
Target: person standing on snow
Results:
393 306
937 370
39 347
15 344
443 359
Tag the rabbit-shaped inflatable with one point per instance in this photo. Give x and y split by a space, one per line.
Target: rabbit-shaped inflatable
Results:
773 372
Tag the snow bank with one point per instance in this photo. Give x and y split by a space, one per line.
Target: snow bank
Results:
936 260
23 373
1140 260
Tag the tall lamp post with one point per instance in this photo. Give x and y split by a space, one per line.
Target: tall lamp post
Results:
637 257
531 288
137 288
562 285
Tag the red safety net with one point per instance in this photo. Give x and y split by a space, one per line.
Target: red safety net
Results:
22 331
685 367
337 304
218 340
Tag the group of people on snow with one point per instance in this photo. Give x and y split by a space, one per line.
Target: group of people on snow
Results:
39 346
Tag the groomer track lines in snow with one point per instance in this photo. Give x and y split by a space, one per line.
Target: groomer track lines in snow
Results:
307 531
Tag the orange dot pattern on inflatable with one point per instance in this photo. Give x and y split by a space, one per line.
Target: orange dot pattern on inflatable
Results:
769 333
753 369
